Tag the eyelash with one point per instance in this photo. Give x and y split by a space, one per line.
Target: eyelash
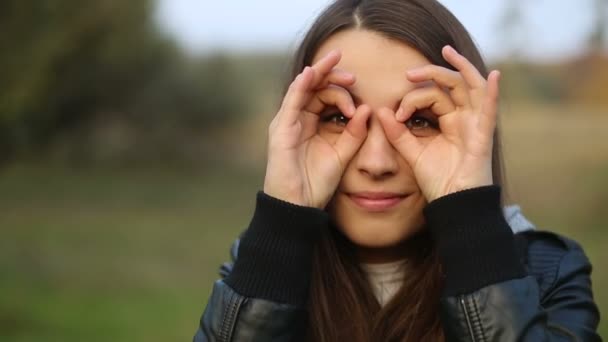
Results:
336 118
341 120
430 122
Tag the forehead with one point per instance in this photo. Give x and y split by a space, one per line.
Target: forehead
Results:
378 63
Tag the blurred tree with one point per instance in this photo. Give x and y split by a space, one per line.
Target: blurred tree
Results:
65 61
70 67
599 31
511 26
588 72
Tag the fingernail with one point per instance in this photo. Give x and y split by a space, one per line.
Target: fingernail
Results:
307 70
413 73
352 109
399 113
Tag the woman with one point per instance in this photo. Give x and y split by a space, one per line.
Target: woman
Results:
381 216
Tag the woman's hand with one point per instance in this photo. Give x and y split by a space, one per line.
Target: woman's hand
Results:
458 155
303 168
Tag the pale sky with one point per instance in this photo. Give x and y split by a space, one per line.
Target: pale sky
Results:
553 29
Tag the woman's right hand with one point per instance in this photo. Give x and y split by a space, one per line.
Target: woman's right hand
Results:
303 168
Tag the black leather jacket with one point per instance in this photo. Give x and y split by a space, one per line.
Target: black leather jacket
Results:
551 301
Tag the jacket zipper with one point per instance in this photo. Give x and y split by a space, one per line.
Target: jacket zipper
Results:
468 318
230 317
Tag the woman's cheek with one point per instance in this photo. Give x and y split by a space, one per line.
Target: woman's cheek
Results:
329 135
426 136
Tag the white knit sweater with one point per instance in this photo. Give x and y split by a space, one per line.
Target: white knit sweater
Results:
386 279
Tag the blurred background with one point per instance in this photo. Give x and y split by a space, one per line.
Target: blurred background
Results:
132 138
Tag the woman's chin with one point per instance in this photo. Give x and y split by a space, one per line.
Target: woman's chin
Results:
378 229
379 234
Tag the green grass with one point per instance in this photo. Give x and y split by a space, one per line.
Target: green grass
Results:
114 256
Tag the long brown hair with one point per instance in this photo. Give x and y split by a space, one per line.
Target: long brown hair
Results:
342 306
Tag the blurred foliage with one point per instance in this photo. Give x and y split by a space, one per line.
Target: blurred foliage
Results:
598 36
581 81
97 78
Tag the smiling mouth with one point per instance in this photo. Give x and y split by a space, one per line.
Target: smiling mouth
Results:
376 201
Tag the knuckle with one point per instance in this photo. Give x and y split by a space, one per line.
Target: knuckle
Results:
273 123
293 85
271 130
286 99
430 69
291 89
409 97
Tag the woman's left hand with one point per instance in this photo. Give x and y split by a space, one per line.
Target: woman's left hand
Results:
459 157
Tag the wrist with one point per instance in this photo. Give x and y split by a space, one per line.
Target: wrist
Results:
462 185
473 239
275 252
290 192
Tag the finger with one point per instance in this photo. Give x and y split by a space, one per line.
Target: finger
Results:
471 75
298 93
489 108
322 68
432 97
444 78
338 77
399 135
353 135
332 96
296 97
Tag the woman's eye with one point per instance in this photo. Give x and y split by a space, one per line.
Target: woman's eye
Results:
420 122
338 119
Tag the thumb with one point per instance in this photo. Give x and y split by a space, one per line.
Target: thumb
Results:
399 135
353 135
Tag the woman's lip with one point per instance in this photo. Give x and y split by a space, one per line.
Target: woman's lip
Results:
376 201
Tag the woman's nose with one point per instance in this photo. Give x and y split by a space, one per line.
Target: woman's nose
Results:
377 158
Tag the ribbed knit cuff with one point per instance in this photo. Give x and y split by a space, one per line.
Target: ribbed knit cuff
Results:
473 239
275 254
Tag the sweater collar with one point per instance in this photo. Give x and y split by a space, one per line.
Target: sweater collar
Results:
518 222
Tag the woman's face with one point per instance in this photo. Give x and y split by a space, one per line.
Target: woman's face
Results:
378 204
